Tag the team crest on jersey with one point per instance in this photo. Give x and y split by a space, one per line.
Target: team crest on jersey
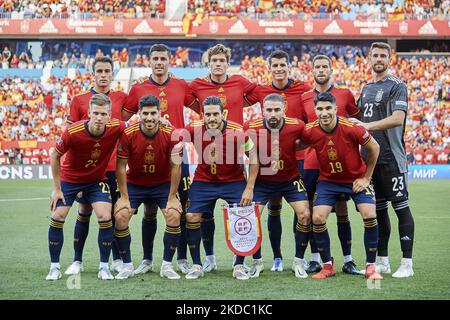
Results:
59 141
332 154
149 156
223 99
379 96
163 105
95 154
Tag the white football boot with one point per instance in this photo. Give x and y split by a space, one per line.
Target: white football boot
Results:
405 270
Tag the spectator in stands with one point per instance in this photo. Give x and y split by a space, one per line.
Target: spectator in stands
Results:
6 57
116 59
124 58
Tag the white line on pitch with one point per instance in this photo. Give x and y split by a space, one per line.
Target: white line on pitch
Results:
29 199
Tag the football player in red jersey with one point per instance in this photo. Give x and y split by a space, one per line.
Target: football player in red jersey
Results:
275 138
346 107
231 90
219 174
279 66
342 171
153 176
79 110
174 94
88 146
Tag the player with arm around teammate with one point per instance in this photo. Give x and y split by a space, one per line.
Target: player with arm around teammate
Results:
275 138
153 176
342 171
88 146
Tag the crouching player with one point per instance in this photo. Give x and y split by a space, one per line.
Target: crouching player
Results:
219 174
275 138
88 146
154 173
342 171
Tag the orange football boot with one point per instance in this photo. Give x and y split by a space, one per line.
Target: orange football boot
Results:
326 272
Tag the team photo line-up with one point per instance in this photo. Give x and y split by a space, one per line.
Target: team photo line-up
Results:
314 146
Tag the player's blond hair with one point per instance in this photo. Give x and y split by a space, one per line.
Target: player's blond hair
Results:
100 99
219 49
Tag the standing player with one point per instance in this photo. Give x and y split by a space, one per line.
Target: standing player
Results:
279 66
346 107
342 171
79 110
231 91
384 104
275 138
88 146
219 174
173 94
153 176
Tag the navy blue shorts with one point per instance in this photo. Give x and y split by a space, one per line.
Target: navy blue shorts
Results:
113 189
203 195
310 178
142 194
92 192
328 193
292 191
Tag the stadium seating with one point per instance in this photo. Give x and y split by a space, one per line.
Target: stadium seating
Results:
262 9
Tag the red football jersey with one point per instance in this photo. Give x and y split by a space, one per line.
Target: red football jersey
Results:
345 107
148 157
338 151
79 108
219 157
293 105
280 146
173 94
231 93
87 156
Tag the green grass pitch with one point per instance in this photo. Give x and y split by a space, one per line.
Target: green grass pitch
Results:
24 256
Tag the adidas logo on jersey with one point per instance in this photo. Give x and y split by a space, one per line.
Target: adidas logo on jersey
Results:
405 238
399 194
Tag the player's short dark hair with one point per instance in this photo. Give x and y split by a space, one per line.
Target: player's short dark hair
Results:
325 97
149 101
381 45
159 47
213 100
278 54
274 97
322 57
102 59
100 99
219 49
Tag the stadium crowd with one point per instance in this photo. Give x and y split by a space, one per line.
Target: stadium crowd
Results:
33 110
260 9
79 60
